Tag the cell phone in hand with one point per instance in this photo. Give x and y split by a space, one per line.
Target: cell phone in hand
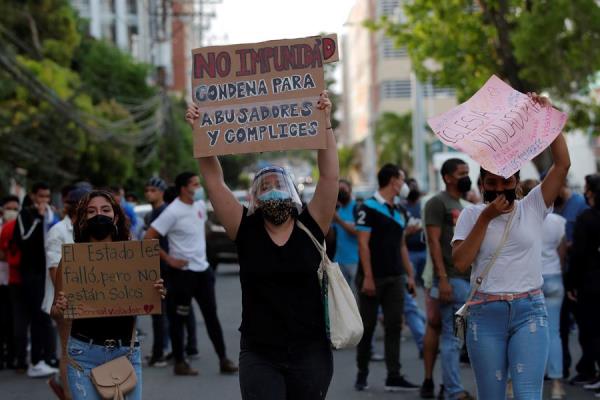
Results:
411 289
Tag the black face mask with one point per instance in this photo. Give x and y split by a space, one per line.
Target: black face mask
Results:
464 184
343 197
100 226
510 194
413 196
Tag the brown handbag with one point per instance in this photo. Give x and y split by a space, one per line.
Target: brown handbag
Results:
114 379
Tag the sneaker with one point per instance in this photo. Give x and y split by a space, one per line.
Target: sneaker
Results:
377 357
593 386
40 370
442 393
361 382
54 363
428 389
580 380
157 362
557 393
466 396
184 369
399 384
227 366
597 394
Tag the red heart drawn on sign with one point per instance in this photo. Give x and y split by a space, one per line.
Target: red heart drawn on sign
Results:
148 308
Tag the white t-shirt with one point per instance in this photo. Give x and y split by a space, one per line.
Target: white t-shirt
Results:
553 233
183 224
518 267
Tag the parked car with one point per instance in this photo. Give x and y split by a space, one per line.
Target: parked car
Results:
219 248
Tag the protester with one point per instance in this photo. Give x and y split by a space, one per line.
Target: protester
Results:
285 353
12 255
183 223
384 273
346 254
417 248
584 275
554 250
33 223
154 193
570 205
99 218
442 212
9 206
508 323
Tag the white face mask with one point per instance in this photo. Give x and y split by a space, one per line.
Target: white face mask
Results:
199 194
10 215
404 191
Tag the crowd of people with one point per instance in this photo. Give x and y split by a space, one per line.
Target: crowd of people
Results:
524 258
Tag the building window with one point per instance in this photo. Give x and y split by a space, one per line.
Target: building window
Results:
395 89
108 6
389 50
434 91
132 33
83 6
109 32
132 7
388 7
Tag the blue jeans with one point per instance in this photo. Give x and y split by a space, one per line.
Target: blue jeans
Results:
89 356
554 293
415 319
418 260
450 345
508 337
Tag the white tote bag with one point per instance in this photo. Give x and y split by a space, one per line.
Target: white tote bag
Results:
343 321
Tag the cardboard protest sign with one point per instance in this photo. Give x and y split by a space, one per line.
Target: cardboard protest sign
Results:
108 279
499 127
260 96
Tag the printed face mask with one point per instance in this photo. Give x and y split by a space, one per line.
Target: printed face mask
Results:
100 226
510 194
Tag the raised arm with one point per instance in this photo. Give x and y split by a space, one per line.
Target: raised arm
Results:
227 208
555 178
322 206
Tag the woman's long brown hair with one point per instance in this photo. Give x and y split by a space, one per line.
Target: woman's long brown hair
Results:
80 233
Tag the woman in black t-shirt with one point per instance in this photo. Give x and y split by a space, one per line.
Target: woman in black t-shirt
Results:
285 352
95 341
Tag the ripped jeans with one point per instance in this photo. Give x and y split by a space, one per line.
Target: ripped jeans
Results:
89 356
508 337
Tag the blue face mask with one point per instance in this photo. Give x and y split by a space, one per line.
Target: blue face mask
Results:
199 194
274 194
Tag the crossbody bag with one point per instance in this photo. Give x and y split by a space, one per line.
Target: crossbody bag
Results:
460 322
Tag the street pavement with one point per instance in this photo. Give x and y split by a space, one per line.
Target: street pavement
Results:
162 384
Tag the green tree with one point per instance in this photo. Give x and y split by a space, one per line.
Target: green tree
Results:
393 139
545 45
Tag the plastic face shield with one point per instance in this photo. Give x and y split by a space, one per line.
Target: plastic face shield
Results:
272 183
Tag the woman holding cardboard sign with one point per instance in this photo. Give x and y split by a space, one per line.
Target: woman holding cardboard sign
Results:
285 353
507 321
97 341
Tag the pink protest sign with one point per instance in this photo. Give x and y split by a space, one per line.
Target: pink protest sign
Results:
499 127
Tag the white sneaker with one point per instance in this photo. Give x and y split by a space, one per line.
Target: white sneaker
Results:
593 386
41 370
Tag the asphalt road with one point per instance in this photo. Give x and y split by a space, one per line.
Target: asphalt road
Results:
162 384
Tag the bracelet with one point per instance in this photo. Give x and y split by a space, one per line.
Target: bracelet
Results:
329 127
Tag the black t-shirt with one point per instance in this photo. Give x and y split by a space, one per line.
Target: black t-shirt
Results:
162 240
105 328
386 225
281 297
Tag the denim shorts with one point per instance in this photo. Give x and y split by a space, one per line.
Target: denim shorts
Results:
89 356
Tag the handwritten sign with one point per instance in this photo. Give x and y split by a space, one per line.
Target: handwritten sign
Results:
499 127
111 278
260 96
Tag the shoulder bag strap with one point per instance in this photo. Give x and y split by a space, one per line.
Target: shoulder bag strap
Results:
133 337
491 263
321 247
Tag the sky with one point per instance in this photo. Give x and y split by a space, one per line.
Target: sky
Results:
246 21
